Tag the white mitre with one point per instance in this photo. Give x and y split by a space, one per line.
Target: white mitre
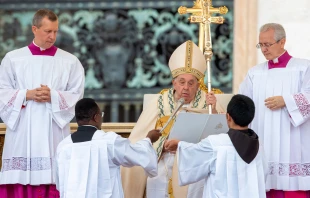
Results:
188 59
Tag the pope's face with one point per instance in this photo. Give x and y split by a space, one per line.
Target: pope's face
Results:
45 35
185 86
275 49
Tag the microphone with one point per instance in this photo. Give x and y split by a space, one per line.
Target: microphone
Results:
180 103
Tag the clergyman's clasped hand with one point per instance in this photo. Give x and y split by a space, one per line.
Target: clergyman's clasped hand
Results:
40 94
153 135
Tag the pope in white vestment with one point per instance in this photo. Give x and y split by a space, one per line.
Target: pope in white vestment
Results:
187 65
34 126
280 89
88 161
231 164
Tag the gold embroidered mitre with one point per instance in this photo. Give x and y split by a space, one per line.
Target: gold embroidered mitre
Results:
188 59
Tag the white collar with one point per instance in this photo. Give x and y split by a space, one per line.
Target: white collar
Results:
42 49
276 60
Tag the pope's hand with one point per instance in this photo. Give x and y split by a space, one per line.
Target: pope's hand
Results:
211 100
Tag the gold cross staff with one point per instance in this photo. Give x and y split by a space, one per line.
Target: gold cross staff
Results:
202 13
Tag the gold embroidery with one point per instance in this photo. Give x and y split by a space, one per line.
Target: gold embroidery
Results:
204 88
161 122
189 55
170 188
183 70
163 91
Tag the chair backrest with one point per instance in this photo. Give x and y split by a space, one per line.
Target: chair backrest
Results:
223 100
147 98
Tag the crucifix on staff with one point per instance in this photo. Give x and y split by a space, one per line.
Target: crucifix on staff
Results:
202 13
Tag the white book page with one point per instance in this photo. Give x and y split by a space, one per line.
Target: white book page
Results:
192 127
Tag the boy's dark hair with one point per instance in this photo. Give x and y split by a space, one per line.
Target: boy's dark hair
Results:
241 109
85 109
40 14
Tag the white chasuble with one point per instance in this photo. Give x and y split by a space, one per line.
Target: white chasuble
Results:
284 133
35 129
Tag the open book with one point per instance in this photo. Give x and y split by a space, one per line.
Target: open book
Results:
192 127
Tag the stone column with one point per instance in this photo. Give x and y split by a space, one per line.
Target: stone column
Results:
245 39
